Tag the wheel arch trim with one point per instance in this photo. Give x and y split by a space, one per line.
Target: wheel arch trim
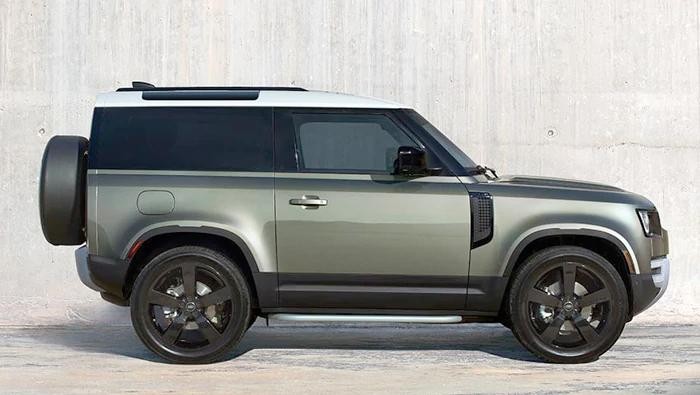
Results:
573 229
200 228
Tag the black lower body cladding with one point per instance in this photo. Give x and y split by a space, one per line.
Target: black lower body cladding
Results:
62 190
109 275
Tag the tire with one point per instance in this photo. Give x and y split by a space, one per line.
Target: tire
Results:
196 323
62 190
251 320
567 305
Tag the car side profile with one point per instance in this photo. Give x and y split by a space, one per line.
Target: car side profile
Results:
205 208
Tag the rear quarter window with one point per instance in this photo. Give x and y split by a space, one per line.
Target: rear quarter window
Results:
182 138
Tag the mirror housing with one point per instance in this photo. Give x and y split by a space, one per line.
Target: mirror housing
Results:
410 161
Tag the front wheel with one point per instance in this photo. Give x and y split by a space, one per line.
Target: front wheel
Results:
190 305
567 305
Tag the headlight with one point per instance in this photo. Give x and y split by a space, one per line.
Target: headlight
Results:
651 223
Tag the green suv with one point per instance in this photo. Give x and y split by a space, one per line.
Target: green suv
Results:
205 208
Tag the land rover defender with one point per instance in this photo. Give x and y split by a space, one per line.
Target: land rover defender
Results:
204 208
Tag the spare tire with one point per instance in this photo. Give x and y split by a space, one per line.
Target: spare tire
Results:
62 190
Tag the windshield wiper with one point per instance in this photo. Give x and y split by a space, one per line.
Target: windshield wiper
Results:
483 170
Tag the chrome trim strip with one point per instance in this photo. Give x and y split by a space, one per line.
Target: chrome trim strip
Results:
366 177
415 319
261 174
270 174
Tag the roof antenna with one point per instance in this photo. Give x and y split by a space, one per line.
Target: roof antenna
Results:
142 85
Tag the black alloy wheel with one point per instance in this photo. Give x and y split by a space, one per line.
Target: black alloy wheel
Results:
568 305
190 305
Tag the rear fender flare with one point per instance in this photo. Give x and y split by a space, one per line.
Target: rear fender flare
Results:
207 229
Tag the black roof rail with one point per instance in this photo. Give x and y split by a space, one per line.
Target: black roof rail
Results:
138 86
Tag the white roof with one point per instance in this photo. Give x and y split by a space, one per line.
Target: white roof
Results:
265 99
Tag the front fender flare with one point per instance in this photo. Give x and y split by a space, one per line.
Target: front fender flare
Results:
571 229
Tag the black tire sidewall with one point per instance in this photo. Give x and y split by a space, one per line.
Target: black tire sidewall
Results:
229 273
541 263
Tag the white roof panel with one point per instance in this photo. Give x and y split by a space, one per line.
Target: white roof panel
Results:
317 99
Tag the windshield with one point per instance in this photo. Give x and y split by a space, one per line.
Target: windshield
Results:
445 142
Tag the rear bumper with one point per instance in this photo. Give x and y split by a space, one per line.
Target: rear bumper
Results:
81 265
104 275
647 289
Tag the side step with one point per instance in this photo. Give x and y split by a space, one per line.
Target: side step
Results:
414 319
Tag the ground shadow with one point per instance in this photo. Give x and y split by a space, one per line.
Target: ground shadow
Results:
488 338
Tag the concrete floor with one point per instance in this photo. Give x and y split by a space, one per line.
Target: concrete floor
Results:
357 358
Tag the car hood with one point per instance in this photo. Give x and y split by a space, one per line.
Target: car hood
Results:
558 188
555 183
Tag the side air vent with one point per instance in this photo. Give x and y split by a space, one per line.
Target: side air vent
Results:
482 217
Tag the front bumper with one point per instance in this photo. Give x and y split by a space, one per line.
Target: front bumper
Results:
660 271
647 289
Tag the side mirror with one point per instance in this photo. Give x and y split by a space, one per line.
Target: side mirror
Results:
410 161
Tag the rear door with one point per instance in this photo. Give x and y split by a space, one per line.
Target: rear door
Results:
352 235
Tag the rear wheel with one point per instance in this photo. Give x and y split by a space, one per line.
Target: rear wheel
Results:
190 305
567 305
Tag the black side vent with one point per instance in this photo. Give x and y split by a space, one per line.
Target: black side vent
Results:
482 218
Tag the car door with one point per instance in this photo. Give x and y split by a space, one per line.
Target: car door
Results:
349 233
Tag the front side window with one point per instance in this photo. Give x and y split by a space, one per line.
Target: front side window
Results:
348 143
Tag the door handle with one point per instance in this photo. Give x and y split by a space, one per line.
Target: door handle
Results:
309 201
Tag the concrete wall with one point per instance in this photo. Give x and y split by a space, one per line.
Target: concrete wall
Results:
602 91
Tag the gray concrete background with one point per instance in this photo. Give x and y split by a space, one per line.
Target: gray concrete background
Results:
601 90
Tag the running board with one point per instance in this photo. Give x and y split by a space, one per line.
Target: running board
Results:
413 319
